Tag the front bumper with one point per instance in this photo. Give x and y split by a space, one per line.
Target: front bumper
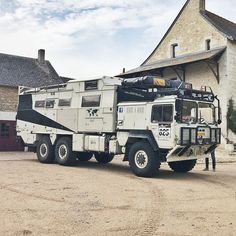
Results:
183 153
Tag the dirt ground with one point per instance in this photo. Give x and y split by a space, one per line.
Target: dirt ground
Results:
93 199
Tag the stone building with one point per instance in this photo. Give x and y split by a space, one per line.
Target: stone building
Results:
200 48
20 71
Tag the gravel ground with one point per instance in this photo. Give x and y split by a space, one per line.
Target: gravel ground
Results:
92 199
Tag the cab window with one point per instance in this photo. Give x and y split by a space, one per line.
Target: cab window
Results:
162 113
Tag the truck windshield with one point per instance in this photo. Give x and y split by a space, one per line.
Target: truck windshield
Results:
189 112
193 112
206 113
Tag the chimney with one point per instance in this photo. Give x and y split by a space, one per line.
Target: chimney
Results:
202 5
41 56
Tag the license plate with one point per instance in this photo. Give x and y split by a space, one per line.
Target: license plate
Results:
201 134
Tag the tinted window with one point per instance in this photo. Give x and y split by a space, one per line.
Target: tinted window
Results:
50 103
167 113
157 113
64 102
91 85
39 103
162 113
91 101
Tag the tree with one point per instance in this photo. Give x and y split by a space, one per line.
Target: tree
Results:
231 117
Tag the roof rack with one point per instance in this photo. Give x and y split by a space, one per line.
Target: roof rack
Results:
27 90
148 88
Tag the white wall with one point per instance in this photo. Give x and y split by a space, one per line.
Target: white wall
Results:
10 116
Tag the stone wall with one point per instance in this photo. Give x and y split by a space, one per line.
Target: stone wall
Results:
8 98
190 32
199 74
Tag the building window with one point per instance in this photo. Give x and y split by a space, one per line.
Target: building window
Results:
5 130
91 101
173 50
208 44
162 113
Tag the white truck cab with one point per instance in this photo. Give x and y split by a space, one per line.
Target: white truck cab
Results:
147 119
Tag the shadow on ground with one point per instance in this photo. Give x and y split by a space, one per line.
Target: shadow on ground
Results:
121 169
125 169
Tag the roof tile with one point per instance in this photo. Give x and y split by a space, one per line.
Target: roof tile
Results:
225 26
24 71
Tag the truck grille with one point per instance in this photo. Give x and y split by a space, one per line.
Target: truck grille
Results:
200 136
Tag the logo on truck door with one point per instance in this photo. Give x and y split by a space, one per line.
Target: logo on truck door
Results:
164 132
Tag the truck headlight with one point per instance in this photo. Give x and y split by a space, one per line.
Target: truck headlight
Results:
193 136
185 139
188 136
218 136
213 135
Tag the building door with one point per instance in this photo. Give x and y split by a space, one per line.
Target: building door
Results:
8 139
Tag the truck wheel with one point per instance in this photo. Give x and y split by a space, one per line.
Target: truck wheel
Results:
143 160
182 166
84 156
45 150
103 158
63 152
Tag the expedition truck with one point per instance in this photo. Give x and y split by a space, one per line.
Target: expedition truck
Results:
147 119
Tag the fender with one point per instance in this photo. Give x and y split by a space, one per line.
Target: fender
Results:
143 134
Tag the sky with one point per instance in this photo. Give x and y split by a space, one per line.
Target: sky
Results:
91 38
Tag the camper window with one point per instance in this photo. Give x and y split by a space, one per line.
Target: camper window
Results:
91 85
64 102
91 101
39 104
50 103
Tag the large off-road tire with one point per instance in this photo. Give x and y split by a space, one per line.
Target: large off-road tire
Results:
84 156
45 150
103 158
143 160
182 166
63 152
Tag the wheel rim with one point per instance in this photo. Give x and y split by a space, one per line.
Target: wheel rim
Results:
43 150
141 159
62 151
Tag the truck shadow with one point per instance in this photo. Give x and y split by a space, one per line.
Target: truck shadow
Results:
169 174
125 169
110 167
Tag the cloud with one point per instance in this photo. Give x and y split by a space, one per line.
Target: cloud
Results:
86 38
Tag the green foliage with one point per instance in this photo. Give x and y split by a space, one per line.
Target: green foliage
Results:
231 117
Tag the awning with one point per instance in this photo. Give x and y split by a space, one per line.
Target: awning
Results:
173 62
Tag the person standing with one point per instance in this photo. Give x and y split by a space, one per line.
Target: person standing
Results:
213 158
